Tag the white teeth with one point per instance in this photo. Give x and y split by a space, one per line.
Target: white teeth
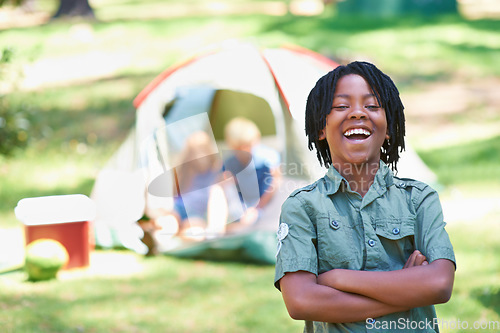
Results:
357 131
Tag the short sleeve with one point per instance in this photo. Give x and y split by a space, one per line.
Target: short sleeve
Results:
433 241
297 251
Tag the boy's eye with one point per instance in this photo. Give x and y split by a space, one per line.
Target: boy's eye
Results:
340 107
373 107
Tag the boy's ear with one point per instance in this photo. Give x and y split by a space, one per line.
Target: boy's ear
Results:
322 134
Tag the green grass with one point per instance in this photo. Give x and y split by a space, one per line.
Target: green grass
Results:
411 48
476 293
164 295
78 124
475 163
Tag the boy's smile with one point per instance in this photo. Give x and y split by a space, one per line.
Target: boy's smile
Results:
356 127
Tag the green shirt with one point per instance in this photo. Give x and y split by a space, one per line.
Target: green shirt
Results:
326 225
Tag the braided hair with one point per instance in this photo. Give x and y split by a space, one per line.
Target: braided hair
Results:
319 105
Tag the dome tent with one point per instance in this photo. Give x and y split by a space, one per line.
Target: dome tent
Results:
268 86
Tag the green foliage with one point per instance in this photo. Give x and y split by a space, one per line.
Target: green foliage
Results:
14 117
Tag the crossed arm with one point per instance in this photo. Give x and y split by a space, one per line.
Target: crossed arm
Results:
341 296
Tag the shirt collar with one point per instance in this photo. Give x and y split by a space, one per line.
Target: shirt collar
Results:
383 179
334 181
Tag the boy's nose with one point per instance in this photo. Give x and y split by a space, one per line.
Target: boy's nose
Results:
357 112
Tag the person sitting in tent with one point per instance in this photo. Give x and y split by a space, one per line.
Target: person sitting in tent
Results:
209 203
200 206
200 209
255 168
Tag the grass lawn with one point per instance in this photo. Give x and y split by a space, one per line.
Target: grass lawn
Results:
476 293
80 114
124 292
159 294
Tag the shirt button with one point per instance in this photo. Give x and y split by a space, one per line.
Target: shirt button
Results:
371 242
402 185
395 231
334 224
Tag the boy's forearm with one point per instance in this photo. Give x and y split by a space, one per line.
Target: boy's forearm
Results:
335 306
307 300
413 287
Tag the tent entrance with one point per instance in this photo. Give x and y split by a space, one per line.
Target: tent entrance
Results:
228 104
221 106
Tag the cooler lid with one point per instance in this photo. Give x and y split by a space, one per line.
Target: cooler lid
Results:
55 209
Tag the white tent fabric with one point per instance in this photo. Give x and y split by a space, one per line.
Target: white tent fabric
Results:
277 80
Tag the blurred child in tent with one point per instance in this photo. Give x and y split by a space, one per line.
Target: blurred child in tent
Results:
200 209
255 169
208 200
200 205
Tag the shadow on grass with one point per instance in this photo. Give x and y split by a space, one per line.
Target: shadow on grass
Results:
485 24
336 37
470 162
355 23
489 297
233 257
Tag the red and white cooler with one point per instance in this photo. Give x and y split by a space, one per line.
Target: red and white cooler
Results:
64 218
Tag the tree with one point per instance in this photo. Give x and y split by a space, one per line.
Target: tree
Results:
73 8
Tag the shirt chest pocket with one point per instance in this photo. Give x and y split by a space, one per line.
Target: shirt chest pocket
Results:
336 245
397 237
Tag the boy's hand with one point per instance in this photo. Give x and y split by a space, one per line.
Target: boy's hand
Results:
416 259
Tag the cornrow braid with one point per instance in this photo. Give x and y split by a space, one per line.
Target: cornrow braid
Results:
319 105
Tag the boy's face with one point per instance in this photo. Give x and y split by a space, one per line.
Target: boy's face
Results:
356 127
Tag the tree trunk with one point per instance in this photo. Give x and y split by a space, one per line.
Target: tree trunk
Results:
73 8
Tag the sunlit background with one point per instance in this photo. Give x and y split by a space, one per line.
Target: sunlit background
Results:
67 84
